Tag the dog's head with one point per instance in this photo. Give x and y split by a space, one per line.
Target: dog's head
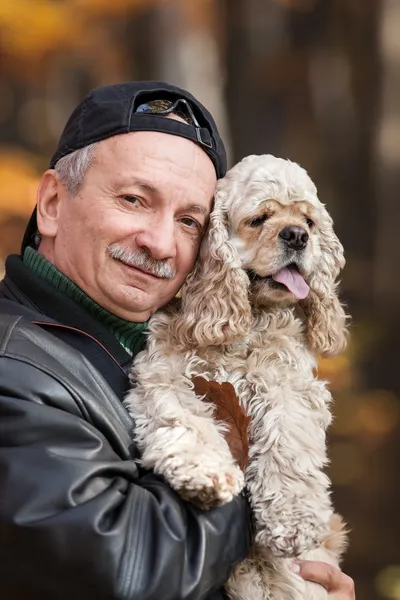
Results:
270 243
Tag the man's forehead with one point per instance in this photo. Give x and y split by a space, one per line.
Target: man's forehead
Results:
130 182
140 148
154 162
149 141
120 179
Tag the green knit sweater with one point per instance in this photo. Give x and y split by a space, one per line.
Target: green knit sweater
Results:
130 335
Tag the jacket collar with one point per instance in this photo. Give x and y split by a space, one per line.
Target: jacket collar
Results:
21 285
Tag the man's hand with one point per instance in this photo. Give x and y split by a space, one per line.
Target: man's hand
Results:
338 585
229 411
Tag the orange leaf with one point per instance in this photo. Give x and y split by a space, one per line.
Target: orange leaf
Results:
229 411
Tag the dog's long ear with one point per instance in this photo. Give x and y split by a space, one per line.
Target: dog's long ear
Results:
215 303
326 318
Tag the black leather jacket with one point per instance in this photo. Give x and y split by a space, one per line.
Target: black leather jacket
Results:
78 518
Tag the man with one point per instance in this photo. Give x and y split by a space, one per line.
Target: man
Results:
119 219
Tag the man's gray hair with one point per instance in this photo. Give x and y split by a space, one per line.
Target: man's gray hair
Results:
72 168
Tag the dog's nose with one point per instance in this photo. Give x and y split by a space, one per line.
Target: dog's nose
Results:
295 237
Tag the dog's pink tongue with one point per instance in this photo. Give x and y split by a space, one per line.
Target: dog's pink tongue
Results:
290 277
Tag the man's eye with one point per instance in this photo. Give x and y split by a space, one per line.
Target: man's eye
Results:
192 223
131 199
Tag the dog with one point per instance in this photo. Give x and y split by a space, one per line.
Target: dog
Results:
259 307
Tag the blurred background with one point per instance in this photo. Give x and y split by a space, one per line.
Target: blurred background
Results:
316 81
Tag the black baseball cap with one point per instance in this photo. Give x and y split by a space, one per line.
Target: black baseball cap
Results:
122 108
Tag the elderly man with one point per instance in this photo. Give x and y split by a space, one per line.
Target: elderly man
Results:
119 219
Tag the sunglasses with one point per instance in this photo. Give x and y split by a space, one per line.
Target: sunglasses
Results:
181 108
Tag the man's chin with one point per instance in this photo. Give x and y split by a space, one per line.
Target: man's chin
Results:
126 301
138 305
137 298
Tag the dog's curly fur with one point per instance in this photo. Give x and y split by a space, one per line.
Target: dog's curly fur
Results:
235 323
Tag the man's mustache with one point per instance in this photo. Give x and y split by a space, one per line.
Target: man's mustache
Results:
141 260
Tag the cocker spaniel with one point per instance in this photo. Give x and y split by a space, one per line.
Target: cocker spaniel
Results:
258 308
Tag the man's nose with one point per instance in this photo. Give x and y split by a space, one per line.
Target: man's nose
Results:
158 240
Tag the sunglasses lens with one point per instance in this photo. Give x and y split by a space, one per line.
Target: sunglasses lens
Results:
165 107
155 106
180 108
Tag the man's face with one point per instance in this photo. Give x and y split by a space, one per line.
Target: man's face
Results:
131 235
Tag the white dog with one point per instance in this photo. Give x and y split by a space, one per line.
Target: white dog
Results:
259 306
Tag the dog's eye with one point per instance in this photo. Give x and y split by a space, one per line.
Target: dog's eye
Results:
258 221
309 223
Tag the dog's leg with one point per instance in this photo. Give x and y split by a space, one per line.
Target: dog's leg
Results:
176 433
284 584
330 551
260 578
267 577
288 488
247 583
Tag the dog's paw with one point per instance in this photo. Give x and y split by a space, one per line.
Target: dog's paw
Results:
199 467
203 478
290 538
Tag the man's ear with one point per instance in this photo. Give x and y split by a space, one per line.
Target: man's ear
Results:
48 204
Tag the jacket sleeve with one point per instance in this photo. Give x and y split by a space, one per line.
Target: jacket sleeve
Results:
78 521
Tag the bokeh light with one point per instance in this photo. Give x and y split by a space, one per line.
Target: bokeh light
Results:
316 81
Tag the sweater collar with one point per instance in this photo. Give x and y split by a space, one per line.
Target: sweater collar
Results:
130 335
